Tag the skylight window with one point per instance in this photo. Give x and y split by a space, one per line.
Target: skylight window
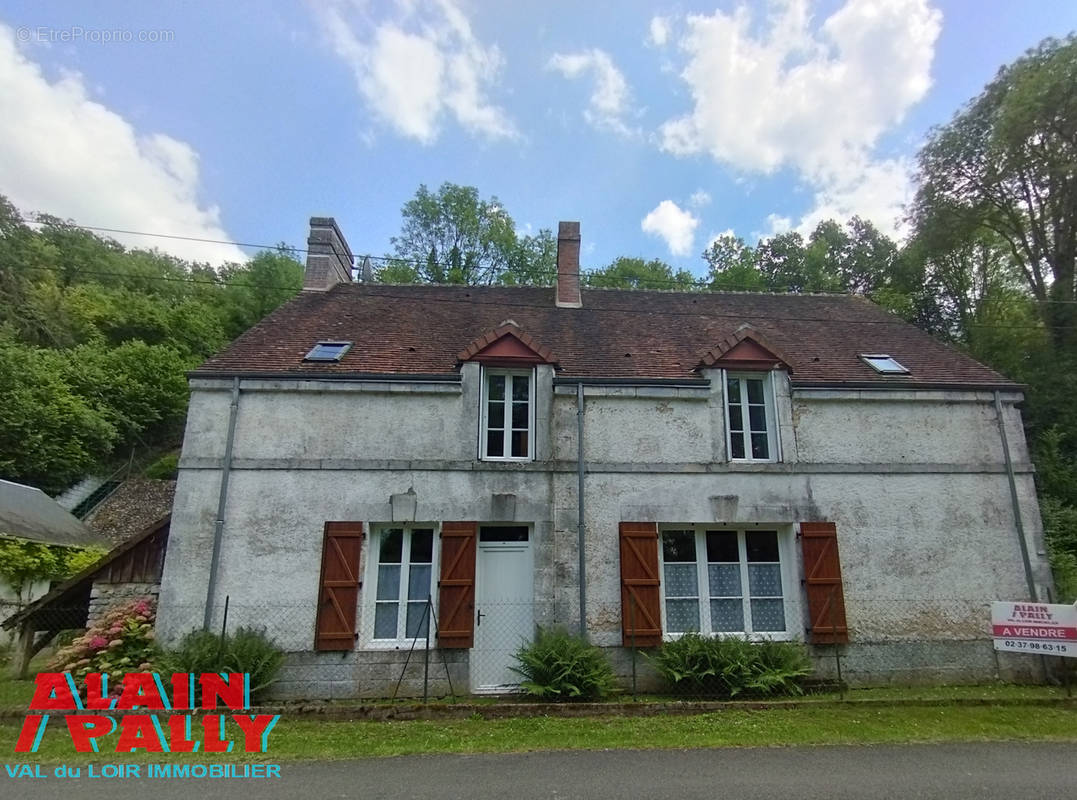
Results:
884 364
328 351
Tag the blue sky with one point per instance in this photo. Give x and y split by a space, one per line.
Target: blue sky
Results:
658 126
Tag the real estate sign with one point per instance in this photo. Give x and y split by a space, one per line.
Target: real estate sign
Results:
1042 628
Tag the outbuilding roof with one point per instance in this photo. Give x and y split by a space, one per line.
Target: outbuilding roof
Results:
29 513
423 330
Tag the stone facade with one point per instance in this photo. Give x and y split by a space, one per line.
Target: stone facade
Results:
105 596
914 480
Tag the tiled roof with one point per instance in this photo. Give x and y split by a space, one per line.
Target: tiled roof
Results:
617 334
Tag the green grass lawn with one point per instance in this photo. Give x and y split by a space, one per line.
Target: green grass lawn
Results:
305 739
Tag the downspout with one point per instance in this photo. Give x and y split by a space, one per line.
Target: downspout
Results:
1013 499
579 504
222 500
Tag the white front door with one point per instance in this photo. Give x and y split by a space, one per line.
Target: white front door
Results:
504 600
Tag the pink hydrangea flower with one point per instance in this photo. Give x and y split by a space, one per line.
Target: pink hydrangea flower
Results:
97 642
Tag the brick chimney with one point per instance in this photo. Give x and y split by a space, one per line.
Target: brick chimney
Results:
568 265
329 259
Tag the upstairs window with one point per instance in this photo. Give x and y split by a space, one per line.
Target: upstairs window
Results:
751 431
884 364
328 351
508 415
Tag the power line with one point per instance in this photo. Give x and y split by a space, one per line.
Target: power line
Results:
702 283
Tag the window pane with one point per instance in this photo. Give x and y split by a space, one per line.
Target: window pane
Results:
385 621
495 415
727 615
722 546
760 447
495 443
391 542
757 416
497 387
762 545
422 546
736 423
388 582
520 385
418 620
765 580
724 580
755 390
682 615
519 415
737 440
503 533
768 616
679 546
680 580
519 444
419 582
733 390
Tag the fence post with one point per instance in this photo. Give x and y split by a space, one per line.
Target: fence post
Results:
224 629
632 622
834 642
426 652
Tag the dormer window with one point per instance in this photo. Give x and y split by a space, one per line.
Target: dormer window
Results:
750 425
328 351
884 364
508 418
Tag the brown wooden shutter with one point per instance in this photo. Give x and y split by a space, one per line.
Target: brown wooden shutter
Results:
456 589
339 595
822 583
641 589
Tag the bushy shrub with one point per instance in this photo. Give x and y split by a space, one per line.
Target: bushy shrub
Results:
164 468
559 666
731 666
247 650
121 641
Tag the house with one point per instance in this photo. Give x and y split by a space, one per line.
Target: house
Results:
787 466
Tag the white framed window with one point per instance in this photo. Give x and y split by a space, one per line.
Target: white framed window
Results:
751 430
508 415
726 581
401 568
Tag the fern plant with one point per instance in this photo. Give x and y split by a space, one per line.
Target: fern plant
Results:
731 666
561 667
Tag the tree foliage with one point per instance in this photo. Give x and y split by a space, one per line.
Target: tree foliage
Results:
636 273
95 341
1005 170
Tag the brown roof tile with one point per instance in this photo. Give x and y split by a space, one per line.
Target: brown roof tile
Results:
617 334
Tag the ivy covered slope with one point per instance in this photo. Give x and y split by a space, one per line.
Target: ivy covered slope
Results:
95 341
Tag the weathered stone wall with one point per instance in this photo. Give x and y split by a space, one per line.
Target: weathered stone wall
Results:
105 596
914 481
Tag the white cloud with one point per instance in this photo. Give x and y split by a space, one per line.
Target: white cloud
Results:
658 32
777 224
700 197
68 155
787 94
673 224
610 98
421 66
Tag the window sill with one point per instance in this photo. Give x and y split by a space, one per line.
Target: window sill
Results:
775 636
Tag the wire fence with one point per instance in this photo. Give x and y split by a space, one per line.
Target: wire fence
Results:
396 649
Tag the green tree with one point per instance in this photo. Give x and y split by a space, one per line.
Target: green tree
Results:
454 236
636 273
732 266
1007 165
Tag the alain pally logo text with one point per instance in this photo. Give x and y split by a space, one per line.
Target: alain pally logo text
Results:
167 727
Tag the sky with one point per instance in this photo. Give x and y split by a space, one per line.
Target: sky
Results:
657 126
